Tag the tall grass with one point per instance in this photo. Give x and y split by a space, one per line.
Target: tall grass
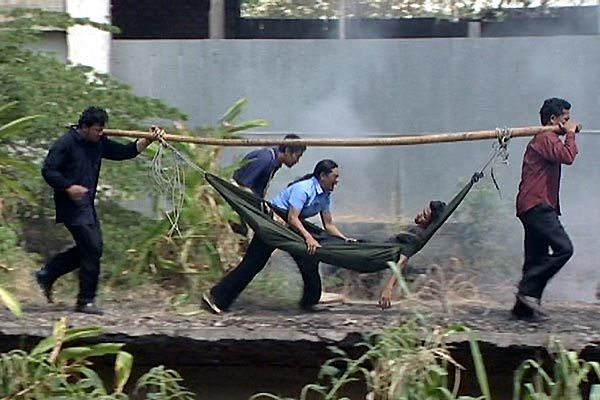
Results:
55 370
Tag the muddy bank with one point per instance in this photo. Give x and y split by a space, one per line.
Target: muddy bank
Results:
279 349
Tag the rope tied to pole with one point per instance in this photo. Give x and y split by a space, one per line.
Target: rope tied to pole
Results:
499 152
169 176
503 135
501 147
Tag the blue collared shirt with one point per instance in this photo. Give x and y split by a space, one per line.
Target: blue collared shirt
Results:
258 172
307 196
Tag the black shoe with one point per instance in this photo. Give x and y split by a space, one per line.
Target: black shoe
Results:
533 317
88 308
312 308
522 312
41 278
208 303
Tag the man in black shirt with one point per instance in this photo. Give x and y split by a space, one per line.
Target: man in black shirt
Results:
71 168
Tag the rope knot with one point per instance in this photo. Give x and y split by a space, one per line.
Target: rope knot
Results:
503 135
476 177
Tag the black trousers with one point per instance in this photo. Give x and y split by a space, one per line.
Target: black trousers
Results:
543 231
85 256
255 259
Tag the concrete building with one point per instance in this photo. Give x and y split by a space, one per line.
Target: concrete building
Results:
80 44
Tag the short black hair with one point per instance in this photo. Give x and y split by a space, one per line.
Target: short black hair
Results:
437 208
553 106
297 148
93 116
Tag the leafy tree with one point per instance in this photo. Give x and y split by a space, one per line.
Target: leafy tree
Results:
383 8
58 92
38 84
12 167
35 83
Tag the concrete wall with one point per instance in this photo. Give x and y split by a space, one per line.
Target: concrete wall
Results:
348 88
52 5
83 45
88 45
53 42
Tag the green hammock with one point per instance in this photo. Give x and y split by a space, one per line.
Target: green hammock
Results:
359 257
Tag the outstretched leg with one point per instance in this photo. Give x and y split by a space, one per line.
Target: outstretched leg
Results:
385 299
309 269
230 287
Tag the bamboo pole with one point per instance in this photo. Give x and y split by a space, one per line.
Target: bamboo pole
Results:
346 142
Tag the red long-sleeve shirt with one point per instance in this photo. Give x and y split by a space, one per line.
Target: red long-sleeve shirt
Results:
540 173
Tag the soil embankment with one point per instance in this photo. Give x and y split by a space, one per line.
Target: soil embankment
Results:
256 349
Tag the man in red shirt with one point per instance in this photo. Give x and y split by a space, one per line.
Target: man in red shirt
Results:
538 207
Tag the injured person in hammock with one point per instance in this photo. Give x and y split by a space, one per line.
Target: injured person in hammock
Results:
355 255
410 240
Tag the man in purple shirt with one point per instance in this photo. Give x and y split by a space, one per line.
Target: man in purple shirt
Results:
538 207
259 168
261 165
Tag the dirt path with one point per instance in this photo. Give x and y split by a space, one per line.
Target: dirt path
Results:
578 324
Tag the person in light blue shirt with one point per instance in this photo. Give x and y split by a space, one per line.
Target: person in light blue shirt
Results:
306 195
304 198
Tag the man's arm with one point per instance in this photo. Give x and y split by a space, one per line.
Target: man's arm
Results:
329 226
385 299
294 221
117 151
254 173
553 149
51 171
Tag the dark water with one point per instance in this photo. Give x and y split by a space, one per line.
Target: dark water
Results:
241 382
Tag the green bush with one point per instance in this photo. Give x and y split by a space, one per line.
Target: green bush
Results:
8 239
53 370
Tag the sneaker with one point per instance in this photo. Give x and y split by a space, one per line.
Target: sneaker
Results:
332 298
532 303
314 309
208 303
46 287
88 308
